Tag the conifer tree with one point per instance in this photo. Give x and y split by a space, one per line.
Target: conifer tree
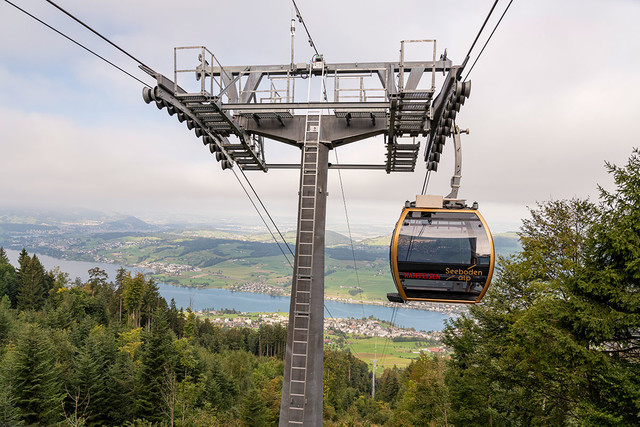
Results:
389 385
254 412
34 378
190 325
156 360
116 305
80 392
514 359
219 388
175 318
556 339
5 321
121 388
101 348
23 257
133 291
151 303
606 310
32 286
8 279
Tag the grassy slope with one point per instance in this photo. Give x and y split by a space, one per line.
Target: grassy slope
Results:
387 352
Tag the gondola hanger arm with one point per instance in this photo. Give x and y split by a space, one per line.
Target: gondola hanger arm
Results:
457 174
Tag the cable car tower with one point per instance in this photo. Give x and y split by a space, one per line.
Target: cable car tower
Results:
233 108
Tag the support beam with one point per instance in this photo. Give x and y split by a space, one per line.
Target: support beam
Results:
301 402
317 105
331 166
442 65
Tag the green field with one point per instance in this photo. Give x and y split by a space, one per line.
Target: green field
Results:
387 352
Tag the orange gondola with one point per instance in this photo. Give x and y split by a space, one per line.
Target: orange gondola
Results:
441 255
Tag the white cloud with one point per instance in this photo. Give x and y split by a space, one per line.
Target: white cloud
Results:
552 98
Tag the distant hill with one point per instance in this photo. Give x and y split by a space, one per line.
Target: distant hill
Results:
335 239
53 216
84 220
24 228
129 223
331 238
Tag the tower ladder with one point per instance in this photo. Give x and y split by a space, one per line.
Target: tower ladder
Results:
304 266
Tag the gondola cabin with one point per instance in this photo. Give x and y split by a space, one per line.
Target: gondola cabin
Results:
441 254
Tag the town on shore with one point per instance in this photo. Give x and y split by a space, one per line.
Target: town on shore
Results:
365 327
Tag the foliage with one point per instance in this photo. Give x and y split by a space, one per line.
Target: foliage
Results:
32 284
556 339
32 377
345 379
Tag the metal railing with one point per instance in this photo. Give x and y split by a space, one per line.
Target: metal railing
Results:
275 93
202 71
361 93
402 63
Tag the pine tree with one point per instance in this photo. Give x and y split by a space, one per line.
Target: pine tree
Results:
34 378
389 385
556 339
254 412
606 310
8 280
133 291
80 393
156 360
190 325
9 414
32 283
121 389
116 302
175 318
515 359
3 256
220 389
5 320
23 258
151 303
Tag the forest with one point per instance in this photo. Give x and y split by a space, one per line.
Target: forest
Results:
556 341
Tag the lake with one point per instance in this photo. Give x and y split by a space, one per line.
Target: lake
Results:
198 299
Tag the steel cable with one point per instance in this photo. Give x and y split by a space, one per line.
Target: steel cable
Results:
77 43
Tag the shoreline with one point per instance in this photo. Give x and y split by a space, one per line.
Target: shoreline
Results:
262 288
443 308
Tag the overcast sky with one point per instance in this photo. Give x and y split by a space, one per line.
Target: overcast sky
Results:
553 97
